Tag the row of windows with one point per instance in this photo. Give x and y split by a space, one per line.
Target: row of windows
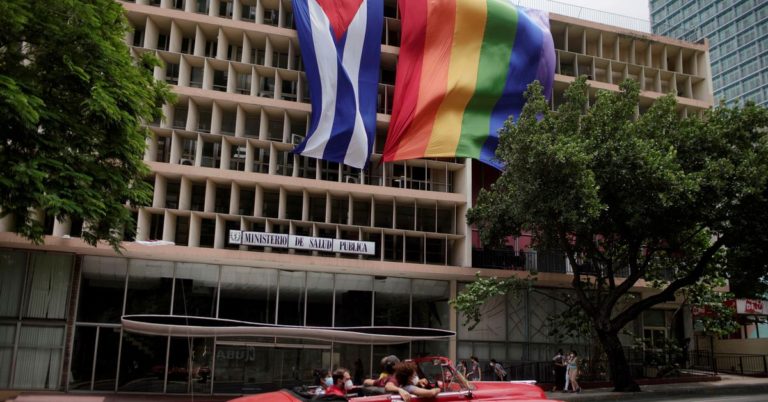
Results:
264 82
179 35
321 207
259 11
613 72
197 229
625 49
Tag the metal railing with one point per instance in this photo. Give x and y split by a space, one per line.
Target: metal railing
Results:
532 261
643 364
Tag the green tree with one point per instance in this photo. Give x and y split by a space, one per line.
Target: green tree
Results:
631 201
72 106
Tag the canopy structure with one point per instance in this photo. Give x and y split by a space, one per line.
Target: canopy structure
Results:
187 326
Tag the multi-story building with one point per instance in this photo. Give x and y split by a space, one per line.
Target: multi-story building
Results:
737 31
221 161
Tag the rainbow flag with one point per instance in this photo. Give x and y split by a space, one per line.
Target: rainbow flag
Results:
462 71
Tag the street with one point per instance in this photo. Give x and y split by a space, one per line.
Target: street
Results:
763 397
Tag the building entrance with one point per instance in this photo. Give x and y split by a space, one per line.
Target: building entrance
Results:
253 367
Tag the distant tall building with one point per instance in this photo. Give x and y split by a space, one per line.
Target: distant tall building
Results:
738 41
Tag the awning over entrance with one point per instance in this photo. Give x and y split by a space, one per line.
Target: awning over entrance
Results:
174 325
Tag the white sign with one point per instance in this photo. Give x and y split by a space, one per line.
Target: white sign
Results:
301 242
752 306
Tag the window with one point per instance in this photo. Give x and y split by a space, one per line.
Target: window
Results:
172 73
201 6
48 286
138 37
280 60
196 77
289 90
210 48
234 53
228 120
290 311
220 80
162 42
225 9
267 87
271 17
188 45
12 269
354 300
243 83
248 294
204 120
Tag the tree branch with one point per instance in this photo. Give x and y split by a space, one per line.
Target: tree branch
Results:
634 310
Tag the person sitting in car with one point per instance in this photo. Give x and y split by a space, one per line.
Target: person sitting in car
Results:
341 380
387 369
406 378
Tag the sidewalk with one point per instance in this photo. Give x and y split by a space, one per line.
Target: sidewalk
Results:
729 384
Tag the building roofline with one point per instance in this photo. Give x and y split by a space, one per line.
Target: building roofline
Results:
704 46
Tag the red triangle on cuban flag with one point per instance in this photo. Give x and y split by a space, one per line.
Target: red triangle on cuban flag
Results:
340 14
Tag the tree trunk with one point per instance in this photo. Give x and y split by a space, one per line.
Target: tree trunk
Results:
621 375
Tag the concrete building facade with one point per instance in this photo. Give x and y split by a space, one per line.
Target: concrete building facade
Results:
221 161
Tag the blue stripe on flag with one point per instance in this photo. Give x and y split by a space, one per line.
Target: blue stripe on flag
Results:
369 77
526 50
303 24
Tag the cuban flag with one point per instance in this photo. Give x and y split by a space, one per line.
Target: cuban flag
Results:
341 46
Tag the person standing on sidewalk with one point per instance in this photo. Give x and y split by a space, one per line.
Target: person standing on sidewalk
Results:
573 371
475 374
498 370
558 363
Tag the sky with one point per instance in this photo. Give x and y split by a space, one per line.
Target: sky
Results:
631 8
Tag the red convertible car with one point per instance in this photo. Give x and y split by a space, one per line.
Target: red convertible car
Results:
440 373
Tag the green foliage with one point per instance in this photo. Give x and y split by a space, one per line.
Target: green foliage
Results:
72 105
471 299
656 197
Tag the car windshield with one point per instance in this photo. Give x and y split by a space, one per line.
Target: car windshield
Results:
441 373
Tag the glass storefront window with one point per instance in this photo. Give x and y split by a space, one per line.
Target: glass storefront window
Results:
430 304
12 267
142 363
149 287
38 361
195 290
189 365
392 301
244 367
83 348
354 299
107 351
319 299
290 310
102 289
7 339
248 294
355 358
429 348
48 287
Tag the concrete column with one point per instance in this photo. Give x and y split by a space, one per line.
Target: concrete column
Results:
142 224
194 230
62 228
234 199
210 196
220 235
158 198
169 227
240 116
185 194
216 116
